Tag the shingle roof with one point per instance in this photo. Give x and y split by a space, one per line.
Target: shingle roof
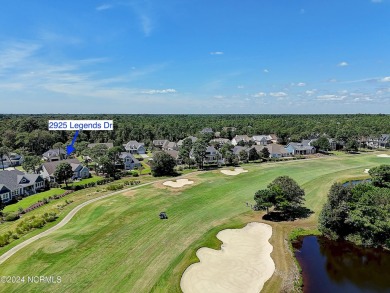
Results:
11 178
53 153
133 145
51 166
174 154
126 154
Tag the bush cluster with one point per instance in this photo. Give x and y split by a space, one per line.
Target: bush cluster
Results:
26 226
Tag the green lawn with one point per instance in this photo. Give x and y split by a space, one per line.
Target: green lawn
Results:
30 200
119 244
85 181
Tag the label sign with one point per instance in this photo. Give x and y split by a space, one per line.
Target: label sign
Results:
81 125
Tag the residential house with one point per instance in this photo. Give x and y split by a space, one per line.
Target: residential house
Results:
384 141
79 171
237 149
135 147
170 146
220 141
109 145
54 155
16 183
207 130
128 161
274 138
174 154
277 151
212 156
193 139
13 159
299 148
262 139
159 143
238 138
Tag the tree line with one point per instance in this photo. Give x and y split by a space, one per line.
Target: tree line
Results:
29 135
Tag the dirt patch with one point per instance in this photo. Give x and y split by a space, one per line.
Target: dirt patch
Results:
235 172
383 156
366 170
243 264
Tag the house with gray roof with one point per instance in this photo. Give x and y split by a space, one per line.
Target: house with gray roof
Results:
384 141
54 155
262 139
299 148
79 171
193 139
207 130
238 138
128 161
16 183
159 142
13 159
220 141
135 147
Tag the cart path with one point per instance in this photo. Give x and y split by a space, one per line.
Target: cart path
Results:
65 220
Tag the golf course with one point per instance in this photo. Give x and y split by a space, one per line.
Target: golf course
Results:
119 243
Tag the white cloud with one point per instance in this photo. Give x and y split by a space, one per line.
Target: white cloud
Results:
278 94
217 53
310 92
301 84
386 79
343 64
265 70
165 91
331 98
259 95
219 97
103 7
240 87
146 24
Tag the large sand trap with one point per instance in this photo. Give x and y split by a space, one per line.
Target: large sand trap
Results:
235 172
178 183
383 156
243 264
366 170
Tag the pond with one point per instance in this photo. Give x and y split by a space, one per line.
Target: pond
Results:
339 266
355 182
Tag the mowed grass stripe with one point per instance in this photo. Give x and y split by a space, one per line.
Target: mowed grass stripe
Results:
120 245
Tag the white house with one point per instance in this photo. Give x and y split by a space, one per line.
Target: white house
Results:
79 171
15 182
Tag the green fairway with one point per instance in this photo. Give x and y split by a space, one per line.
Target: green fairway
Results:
119 244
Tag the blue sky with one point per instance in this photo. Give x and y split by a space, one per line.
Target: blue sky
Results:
195 56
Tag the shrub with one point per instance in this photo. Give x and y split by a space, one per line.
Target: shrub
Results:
11 217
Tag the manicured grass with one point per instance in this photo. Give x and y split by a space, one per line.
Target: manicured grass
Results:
30 200
119 244
85 181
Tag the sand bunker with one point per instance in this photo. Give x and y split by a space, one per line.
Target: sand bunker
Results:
243 264
366 170
383 156
178 183
235 172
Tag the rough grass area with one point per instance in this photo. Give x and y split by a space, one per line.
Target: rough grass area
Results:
119 244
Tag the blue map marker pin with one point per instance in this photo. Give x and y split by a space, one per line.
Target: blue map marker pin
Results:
70 148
